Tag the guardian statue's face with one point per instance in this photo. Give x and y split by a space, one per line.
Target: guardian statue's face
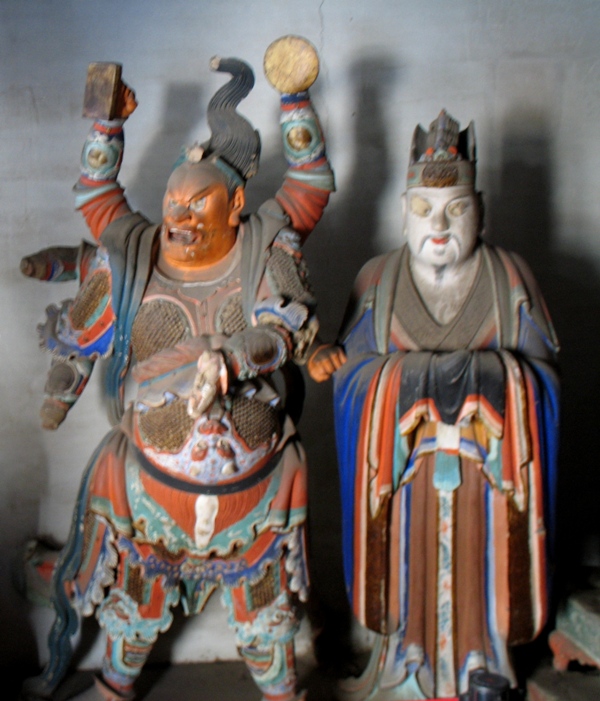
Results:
442 224
200 219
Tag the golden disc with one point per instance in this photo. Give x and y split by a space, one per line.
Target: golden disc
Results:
291 64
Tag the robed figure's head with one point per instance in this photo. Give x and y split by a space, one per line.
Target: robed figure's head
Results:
442 210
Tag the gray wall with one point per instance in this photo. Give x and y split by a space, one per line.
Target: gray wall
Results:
527 73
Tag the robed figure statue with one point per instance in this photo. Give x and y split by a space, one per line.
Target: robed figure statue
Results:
446 417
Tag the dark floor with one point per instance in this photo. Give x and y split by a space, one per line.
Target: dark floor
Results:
577 685
230 681
226 681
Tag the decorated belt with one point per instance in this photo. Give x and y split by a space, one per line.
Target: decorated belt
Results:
211 489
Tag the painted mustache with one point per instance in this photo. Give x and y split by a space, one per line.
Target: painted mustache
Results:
440 240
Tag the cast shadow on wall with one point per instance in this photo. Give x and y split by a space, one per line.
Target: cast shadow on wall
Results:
182 121
519 215
345 240
21 508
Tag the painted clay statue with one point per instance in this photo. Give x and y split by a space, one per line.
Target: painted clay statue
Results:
201 485
446 426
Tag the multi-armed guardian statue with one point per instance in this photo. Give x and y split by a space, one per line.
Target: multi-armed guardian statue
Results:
201 485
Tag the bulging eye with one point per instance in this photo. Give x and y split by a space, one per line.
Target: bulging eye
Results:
455 209
420 206
198 205
172 204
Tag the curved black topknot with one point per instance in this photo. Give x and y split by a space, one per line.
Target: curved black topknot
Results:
232 137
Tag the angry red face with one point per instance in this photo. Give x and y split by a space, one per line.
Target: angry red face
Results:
200 219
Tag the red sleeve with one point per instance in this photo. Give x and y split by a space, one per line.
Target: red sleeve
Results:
105 209
303 203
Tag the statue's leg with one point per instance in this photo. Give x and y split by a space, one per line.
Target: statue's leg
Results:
265 620
136 609
69 602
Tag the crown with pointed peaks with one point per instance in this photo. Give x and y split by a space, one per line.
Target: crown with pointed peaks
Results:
443 156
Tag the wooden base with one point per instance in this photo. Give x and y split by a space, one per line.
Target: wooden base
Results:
566 650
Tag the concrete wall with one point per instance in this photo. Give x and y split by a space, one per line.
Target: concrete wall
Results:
527 73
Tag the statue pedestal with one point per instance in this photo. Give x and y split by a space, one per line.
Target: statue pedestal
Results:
549 685
577 634
576 639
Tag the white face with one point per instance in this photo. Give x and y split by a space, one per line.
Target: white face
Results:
441 224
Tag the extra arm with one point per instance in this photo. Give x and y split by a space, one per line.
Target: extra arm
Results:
76 334
291 66
54 264
309 179
82 329
66 381
98 193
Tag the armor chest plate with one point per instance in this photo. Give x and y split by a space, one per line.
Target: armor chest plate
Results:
238 435
174 311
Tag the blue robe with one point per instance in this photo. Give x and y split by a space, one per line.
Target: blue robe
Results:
447 442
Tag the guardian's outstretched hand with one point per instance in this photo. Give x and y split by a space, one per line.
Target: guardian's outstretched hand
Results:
325 361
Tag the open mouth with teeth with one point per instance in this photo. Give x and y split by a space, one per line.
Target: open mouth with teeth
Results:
183 237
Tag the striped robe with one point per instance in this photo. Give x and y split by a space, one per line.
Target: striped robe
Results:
447 438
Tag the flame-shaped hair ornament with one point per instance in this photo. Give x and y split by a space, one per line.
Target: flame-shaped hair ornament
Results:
233 139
